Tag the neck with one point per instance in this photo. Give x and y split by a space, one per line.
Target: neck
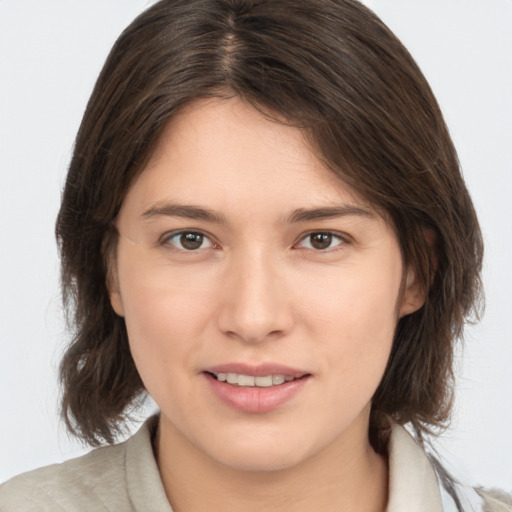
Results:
346 475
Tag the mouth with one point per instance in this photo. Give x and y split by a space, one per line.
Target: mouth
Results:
251 381
259 389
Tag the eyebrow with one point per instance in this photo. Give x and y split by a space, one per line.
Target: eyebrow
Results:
299 215
330 212
185 211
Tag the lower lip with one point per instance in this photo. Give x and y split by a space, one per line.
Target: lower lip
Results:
255 399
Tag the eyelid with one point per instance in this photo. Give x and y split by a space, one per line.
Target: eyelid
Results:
163 240
343 237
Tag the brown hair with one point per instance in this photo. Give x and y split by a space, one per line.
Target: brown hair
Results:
330 67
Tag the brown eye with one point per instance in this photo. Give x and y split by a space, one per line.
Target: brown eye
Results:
321 241
189 241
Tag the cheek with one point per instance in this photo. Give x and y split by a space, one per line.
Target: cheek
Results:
166 314
354 300
355 316
165 325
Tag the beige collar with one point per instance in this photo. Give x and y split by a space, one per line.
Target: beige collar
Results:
412 480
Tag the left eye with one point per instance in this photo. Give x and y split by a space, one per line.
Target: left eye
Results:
189 241
321 241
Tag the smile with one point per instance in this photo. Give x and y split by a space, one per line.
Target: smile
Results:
255 390
250 381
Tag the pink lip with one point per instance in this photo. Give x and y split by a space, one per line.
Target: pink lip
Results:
256 399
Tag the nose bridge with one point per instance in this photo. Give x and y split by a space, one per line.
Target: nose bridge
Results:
254 305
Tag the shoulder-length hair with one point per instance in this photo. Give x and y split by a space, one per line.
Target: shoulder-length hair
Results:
330 67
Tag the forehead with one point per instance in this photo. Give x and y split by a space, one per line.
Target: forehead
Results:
223 151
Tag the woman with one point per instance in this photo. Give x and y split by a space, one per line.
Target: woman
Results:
265 228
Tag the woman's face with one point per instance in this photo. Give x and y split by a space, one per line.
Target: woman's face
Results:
260 293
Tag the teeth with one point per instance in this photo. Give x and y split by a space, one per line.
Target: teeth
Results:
247 380
232 378
251 381
262 382
278 379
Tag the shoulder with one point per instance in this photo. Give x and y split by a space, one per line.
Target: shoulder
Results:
495 500
418 478
113 478
94 482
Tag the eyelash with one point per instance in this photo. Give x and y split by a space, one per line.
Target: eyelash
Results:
166 239
332 235
342 240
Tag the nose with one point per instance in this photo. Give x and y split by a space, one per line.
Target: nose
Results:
255 305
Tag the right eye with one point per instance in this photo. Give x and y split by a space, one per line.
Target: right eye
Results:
189 241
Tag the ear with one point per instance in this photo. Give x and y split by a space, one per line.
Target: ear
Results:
115 296
112 280
413 295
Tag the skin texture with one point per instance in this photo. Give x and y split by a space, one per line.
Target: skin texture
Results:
258 291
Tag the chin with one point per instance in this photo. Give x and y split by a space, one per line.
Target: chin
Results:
260 455
261 462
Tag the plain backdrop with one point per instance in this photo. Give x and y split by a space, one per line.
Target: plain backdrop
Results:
50 55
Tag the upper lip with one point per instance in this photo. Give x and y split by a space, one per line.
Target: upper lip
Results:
259 370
